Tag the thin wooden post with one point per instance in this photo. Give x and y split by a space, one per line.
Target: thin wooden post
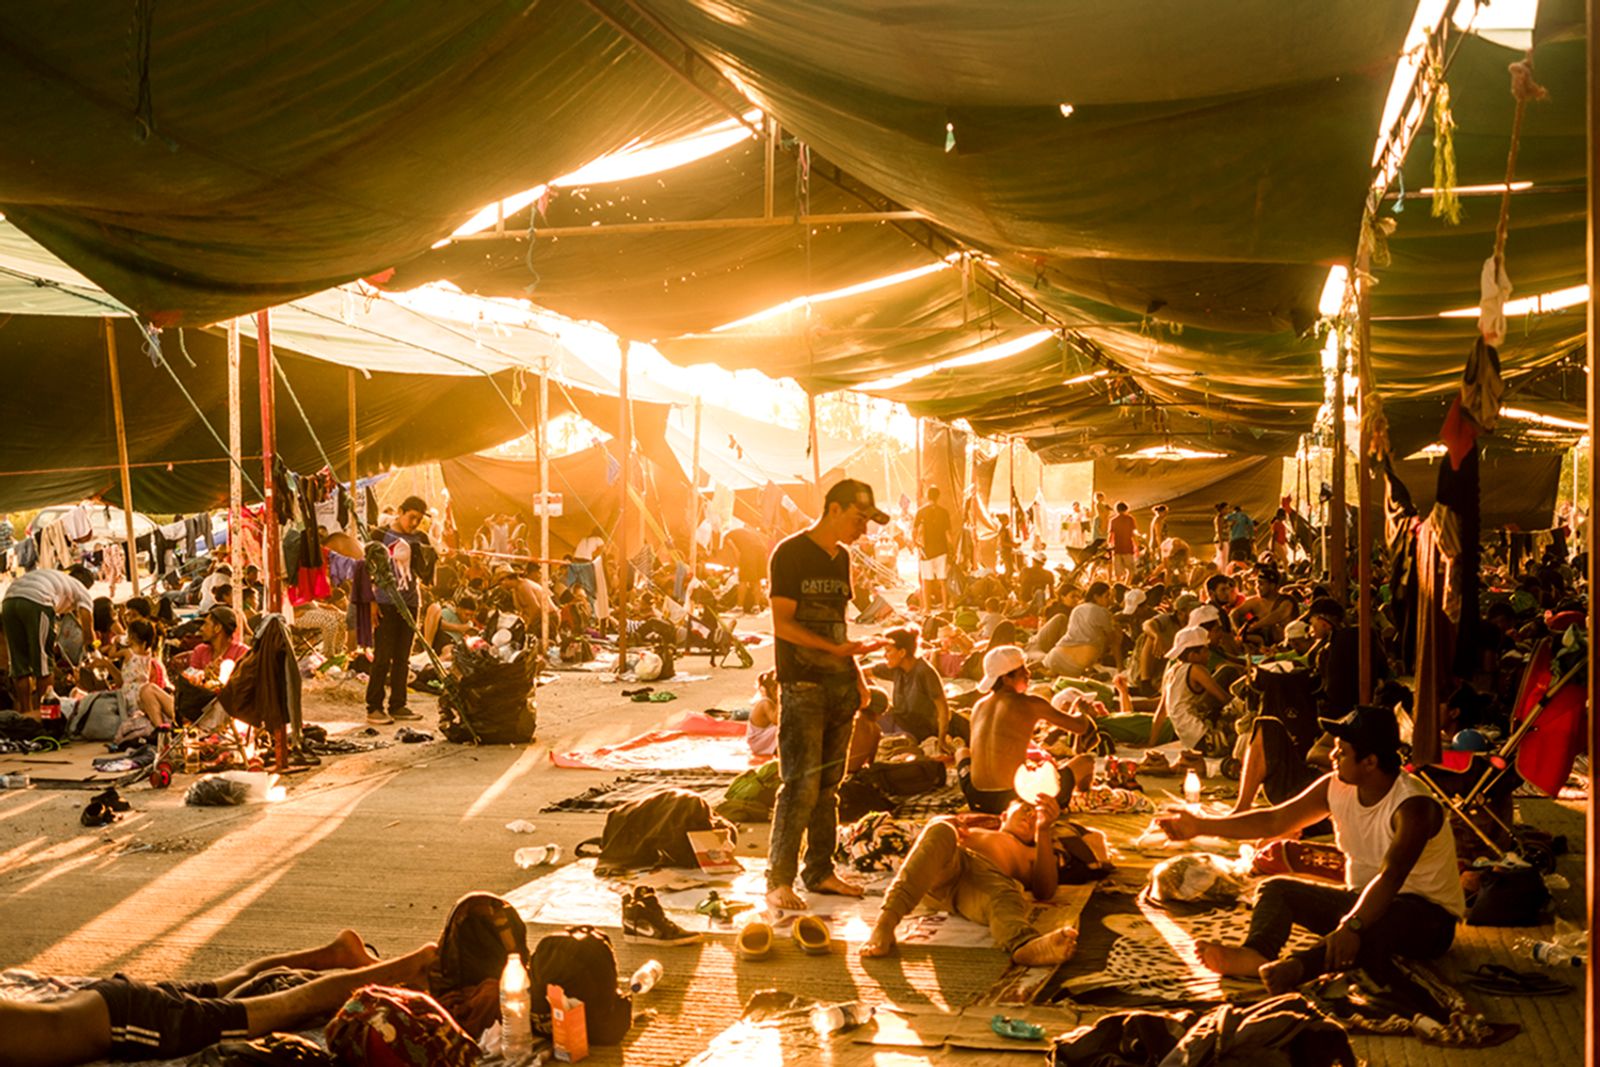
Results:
625 438
122 455
694 495
1338 541
816 458
1591 1034
916 503
350 412
544 499
271 548
235 473
1364 523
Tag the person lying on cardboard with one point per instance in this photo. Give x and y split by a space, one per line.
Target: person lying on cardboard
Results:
984 873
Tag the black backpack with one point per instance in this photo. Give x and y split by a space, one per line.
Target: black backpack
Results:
478 937
653 832
903 778
580 961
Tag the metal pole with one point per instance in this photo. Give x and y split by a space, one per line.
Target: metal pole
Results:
122 455
694 496
544 498
1338 535
235 473
625 438
1591 1035
1364 524
350 405
771 165
271 548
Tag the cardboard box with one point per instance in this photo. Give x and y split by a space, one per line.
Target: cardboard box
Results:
714 851
569 1026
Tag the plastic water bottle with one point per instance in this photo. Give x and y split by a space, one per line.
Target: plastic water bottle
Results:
1191 788
516 1011
832 1018
14 781
646 977
1551 954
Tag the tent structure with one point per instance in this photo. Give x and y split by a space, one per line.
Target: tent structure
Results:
1191 489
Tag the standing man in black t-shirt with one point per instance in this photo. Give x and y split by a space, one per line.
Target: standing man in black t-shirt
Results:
820 690
931 531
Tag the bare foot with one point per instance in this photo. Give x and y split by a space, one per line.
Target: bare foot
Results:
408 970
1282 976
1048 949
1234 960
784 898
881 943
838 887
347 952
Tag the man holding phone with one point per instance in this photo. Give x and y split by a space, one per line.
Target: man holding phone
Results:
820 691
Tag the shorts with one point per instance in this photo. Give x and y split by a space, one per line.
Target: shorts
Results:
988 801
168 1019
933 569
29 628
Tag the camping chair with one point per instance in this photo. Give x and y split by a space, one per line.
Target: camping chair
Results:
1549 728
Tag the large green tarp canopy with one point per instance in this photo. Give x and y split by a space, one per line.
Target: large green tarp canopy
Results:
202 160
1191 489
656 285
1518 489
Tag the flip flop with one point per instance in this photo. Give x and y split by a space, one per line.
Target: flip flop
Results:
1016 1029
755 940
811 934
1499 980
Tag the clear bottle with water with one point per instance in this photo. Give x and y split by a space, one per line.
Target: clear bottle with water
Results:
1550 953
516 1011
14 781
1191 789
646 977
833 1018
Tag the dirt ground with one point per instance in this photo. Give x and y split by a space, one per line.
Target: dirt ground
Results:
385 841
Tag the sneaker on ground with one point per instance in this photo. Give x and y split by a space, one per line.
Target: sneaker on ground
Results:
404 715
378 718
645 921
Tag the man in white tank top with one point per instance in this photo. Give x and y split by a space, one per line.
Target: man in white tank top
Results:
1402 892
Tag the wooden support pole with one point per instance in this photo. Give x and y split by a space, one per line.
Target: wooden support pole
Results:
771 167
1364 516
816 459
837 218
694 495
235 472
350 412
1338 539
625 443
271 546
1591 1034
544 499
122 454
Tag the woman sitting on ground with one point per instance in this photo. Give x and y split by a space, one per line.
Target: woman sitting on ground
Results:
762 732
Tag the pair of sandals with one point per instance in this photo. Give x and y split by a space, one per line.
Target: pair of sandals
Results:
757 938
1501 981
104 808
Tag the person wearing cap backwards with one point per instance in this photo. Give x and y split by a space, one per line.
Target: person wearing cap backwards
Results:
1190 696
1402 894
219 642
1002 726
820 691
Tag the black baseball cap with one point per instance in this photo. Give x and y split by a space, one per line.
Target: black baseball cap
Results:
851 492
224 617
1368 729
1327 607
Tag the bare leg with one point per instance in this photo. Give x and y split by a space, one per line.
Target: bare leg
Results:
345 952
864 738
1253 773
322 996
1082 768
25 693
157 705
1234 960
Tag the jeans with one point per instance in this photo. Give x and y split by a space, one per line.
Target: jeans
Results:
1413 926
391 656
813 740
961 881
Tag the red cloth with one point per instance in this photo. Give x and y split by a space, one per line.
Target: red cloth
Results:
1458 433
201 656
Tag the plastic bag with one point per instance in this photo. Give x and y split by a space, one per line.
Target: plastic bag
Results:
1198 877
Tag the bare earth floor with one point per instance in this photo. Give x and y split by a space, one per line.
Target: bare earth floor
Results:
385 841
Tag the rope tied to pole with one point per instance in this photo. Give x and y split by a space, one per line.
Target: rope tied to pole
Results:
1523 90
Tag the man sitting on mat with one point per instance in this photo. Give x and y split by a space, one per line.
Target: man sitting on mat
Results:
1002 726
980 874
121 1019
1402 893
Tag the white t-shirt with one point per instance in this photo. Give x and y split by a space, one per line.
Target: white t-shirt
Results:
56 590
1364 835
588 548
76 525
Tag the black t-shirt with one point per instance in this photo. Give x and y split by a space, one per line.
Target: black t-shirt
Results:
935 523
819 585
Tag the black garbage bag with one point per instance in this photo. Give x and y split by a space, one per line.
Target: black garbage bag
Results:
491 701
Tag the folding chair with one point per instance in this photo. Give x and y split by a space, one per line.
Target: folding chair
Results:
1549 725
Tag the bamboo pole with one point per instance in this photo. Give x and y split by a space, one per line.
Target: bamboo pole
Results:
1591 1035
235 472
271 547
1364 524
122 454
625 436
694 495
350 411
816 458
544 499
1338 533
